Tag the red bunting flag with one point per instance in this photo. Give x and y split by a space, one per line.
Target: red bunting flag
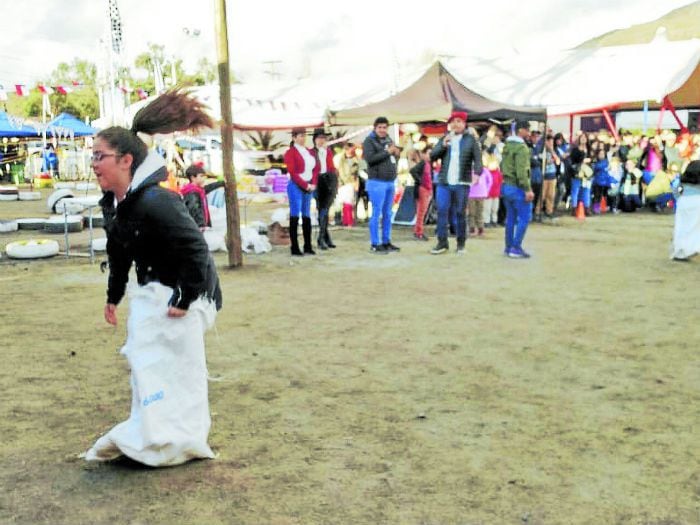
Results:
64 90
142 94
125 89
46 90
21 90
77 83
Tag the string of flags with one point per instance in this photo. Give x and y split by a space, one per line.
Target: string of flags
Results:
22 90
142 94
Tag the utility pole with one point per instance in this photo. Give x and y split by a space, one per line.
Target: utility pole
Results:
274 75
233 219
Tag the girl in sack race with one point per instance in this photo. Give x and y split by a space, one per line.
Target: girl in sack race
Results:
175 300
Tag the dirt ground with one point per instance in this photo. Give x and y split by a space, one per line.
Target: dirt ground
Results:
350 388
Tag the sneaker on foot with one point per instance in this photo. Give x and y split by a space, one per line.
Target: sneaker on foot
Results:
391 248
518 253
378 249
441 247
460 249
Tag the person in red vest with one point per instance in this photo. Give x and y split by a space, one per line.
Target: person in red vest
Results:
195 192
302 184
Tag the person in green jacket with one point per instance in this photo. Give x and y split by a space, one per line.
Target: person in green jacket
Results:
516 191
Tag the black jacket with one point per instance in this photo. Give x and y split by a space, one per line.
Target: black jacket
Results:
417 173
469 159
380 164
152 228
195 206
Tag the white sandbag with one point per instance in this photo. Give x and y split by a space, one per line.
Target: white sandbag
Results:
260 226
64 185
169 421
9 196
280 215
251 240
686 228
216 241
218 219
99 244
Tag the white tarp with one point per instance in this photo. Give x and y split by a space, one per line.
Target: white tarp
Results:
582 80
281 105
169 421
686 228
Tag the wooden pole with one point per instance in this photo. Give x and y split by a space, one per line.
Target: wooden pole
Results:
233 219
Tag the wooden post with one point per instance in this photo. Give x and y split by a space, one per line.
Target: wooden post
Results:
233 219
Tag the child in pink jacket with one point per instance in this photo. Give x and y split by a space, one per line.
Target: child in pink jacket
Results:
479 191
492 201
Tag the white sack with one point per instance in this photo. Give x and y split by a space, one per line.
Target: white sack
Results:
686 228
169 421
251 240
216 240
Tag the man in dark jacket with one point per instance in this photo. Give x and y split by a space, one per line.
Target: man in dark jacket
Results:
460 153
380 153
516 190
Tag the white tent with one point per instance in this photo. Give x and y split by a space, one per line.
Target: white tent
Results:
281 105
587 80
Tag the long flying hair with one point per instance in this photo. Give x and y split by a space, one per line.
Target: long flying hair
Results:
174 110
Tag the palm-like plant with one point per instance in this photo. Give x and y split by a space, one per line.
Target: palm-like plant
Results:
262 141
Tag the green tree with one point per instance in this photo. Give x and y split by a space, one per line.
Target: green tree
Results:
81 101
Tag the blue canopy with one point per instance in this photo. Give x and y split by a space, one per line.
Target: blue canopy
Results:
66 125
13 128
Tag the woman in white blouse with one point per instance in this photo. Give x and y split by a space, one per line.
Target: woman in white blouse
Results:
303 179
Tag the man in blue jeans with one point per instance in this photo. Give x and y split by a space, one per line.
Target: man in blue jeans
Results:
516 190
460 153
380 153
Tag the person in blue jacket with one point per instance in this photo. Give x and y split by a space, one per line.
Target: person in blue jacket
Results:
601 178
49 161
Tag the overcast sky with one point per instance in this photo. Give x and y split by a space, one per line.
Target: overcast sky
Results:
308 37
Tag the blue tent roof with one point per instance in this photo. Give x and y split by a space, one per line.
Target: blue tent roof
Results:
11 128
67 125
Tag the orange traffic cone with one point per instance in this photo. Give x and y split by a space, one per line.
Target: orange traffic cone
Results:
603 205
580 212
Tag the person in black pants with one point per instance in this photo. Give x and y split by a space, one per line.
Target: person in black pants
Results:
327 186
